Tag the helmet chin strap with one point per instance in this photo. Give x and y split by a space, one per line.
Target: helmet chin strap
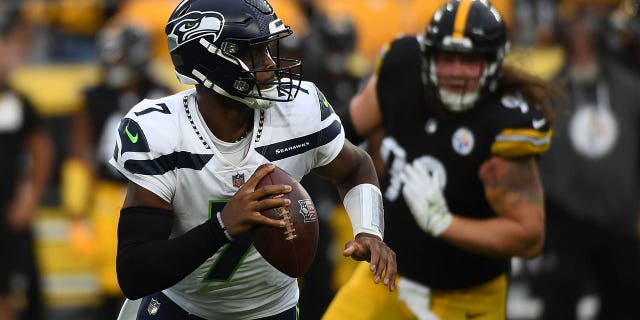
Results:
456 102
251 102
263 104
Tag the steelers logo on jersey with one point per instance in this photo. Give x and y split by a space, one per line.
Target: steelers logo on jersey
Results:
463 141
593 131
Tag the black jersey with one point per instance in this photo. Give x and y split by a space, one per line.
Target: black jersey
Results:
18 119
456 147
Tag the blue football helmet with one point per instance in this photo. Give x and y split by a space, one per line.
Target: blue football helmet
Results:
208 38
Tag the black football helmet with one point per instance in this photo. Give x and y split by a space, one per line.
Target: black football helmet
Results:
207 39
465 26
125 53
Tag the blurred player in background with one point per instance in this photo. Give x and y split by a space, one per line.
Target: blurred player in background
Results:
623 34
462 135
92 190
591 174
25 169
191 159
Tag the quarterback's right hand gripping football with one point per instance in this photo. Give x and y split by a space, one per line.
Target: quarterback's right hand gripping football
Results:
422 192
243 209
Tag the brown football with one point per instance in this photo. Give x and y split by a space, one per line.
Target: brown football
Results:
290 249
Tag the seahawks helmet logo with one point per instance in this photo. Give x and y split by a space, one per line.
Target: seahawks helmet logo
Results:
195 25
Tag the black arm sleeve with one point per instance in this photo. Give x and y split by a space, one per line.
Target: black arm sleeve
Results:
349 131
148 261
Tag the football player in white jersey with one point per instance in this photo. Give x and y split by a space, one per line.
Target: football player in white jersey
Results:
191 159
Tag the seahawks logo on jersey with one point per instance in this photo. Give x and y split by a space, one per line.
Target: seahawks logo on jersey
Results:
195 25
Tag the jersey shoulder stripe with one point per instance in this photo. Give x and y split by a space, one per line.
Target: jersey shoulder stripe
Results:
523 128
168 162
511 143
292 147
306 125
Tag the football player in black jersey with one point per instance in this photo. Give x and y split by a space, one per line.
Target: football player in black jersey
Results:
461 187
25 173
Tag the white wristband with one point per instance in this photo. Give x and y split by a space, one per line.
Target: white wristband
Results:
364 207
223 227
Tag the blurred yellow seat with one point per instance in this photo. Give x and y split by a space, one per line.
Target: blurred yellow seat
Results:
55 89
67 279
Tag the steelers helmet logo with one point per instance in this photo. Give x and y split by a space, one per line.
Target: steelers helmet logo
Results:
193 26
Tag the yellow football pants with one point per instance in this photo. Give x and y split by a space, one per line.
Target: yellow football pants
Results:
361 299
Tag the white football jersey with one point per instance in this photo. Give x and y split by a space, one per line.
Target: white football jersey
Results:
163 146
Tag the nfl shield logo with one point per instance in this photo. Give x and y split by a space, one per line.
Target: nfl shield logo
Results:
238 180
307 210
153 307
